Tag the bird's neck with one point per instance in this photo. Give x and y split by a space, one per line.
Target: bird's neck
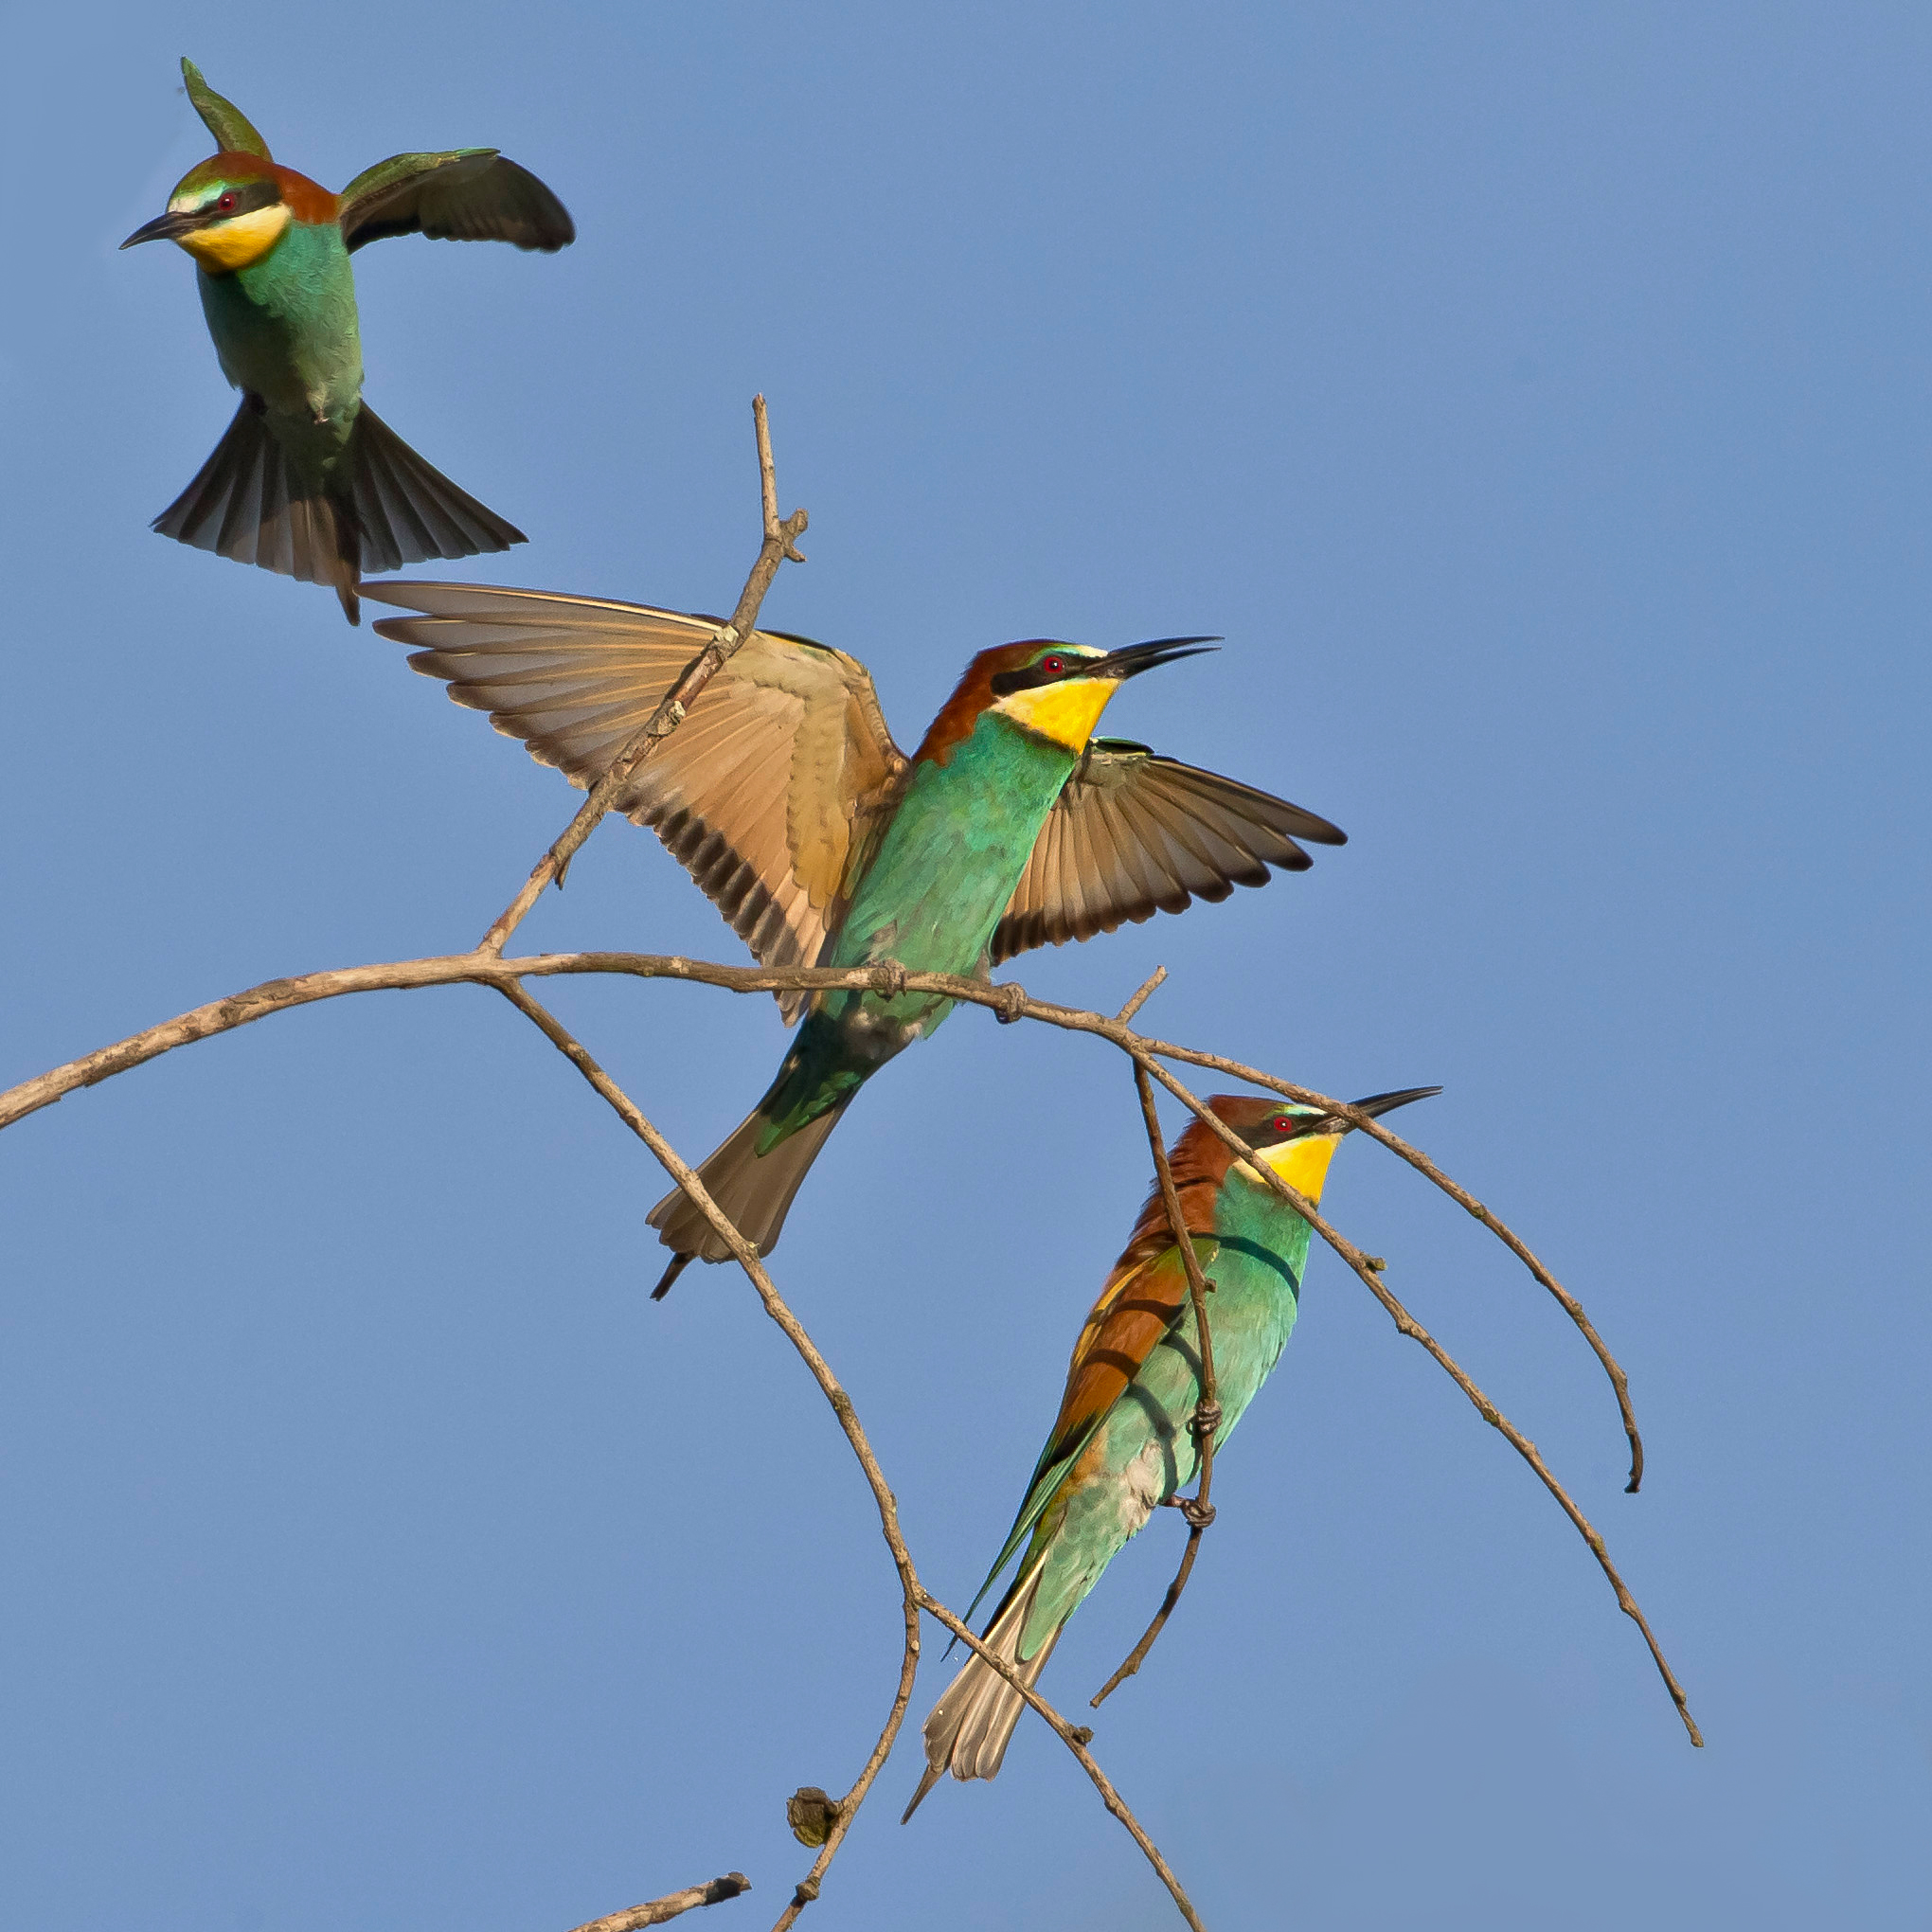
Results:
1250 1219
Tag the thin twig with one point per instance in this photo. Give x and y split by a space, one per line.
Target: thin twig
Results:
1206 1417
1408 1324
913 1592
1076 1738
747 1258
656 1911
779 543
1142 993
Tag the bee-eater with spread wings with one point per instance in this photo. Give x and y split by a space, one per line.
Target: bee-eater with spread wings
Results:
1121 1445
308 479
1010 827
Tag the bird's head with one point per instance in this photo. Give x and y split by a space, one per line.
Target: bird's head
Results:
1058 690
1297 1142
227 212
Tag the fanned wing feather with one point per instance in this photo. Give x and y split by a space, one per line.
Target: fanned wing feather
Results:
233 132
761 793
467 194
1134 834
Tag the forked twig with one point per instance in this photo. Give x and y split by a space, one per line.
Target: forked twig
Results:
913 1592
1009 999
1207 1415
1076 1738
1375 1129
1408 1324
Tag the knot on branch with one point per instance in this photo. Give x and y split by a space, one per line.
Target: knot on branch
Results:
804 1892
729 1887
1374 1263
812 1813
1011 1003
1198 1514
1205 1421
790 531
1081 1734
889 979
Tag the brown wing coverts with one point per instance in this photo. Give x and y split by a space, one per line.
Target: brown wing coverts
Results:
474 196
1134 834
759 794
1142 1299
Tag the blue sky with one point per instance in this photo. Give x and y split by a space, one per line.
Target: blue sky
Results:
1537 399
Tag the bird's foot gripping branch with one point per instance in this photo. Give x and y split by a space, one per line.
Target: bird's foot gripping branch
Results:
1250 1154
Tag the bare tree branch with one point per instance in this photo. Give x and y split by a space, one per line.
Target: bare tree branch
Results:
1009 1001
780 542
1207 1415
485 966
656 1911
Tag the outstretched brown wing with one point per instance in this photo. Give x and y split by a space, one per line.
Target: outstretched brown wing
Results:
1134 834
761 793
468 194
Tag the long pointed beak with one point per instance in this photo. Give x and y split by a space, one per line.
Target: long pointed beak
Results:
1135 658
1377 1105
168 228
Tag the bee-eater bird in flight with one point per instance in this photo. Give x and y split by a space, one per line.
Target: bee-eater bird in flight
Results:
308 480
1121 1445
782 793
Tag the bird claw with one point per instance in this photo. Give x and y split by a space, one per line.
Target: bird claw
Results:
1198 1514
889 979
1205 1421
1011 1003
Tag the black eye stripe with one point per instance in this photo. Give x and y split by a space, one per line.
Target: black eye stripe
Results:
1004 682
245 200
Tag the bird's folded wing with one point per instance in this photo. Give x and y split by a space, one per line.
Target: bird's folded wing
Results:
469 194
1134 833
1143 1298
759 794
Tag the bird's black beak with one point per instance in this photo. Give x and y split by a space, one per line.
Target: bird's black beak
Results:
1135 658
168 227
1378 1104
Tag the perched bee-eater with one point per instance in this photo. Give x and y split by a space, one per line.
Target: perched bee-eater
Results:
1010 827
1121 1445
308 480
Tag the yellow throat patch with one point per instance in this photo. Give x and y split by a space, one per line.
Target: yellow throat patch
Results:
1303 1162
233 244
1066 712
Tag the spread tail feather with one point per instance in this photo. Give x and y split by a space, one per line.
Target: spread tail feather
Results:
970 1726
754 1190
388 508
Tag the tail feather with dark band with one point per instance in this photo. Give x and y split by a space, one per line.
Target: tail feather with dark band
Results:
247 503
754 1190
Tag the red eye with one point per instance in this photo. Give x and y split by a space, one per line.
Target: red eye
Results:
1281 1123
1053 665
226 203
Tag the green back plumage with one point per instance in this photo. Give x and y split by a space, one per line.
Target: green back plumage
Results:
929 898
1257 1256
956 845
